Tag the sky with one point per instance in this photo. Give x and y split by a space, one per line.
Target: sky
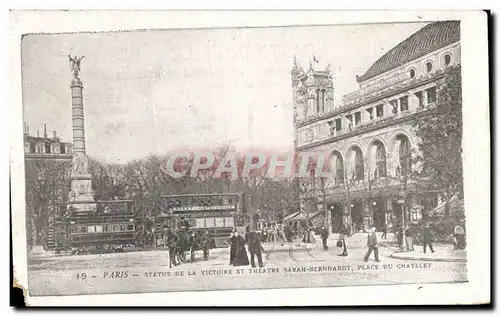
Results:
152 92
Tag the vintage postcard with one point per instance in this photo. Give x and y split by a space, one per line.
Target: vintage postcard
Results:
343 152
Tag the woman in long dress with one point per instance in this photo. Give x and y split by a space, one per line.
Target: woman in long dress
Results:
240 254
232 250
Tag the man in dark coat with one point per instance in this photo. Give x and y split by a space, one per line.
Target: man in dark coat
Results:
372 244
255 248
192 244
427 238
172 247
232 250
206 241
324 237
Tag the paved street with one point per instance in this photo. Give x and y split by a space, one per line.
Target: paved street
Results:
286 265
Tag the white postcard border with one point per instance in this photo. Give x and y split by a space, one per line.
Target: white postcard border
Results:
476 144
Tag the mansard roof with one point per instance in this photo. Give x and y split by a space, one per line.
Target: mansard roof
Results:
431 37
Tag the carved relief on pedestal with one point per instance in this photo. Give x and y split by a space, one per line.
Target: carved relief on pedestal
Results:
80 164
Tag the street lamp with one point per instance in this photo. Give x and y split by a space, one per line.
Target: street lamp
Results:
402 202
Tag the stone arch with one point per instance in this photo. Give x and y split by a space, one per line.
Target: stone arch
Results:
337 166
400 144
376 157
355 162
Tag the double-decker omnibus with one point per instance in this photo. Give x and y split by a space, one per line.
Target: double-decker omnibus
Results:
112 223
216 212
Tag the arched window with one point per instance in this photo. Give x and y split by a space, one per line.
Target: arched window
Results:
404 155
381 169
412 73
339 168
447 59
359 169
428 66
322 101
317 101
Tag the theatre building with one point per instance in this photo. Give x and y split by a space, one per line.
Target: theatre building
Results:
370 137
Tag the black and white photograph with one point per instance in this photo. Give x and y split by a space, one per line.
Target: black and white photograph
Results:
245 158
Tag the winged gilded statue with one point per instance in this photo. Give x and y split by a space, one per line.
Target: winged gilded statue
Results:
74 63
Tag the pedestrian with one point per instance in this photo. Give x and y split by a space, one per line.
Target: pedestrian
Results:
232 250
255 248
410 237
172 247
264 234
192 243
428 238
240 253
372 244
399 236
459 234
324 237
341 242
205 243
384 231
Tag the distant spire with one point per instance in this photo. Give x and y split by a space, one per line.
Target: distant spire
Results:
37 133
45 130
294 59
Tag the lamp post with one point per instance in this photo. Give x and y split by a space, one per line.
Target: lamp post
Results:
402 202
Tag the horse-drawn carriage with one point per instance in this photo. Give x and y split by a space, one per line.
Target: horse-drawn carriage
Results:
185 243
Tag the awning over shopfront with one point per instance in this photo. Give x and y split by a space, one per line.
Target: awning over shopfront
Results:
291 216
456 208
303 217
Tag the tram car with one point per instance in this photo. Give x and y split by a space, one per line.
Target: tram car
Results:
199 213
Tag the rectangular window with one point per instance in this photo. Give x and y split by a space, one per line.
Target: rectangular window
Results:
98 228
420 97
229 222
106 228
370 113
349 118
416 213
63 149
209 222
331 127
433 201
394 104
431 95
380 110
219 222
200 223
403 103
338 124
130 227
116 228
357 118
83 229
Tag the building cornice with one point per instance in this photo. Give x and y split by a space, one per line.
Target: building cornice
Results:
371 100
395 121
48 156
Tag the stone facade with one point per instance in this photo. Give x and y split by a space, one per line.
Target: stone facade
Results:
369 138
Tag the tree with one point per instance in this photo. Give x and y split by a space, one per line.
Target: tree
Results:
47 183
440 135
